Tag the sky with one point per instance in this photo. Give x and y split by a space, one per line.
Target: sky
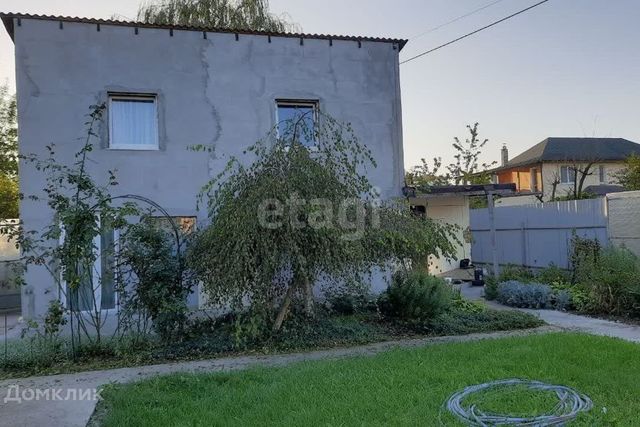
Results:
565 68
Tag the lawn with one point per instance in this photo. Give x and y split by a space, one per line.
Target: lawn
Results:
400 387
215 339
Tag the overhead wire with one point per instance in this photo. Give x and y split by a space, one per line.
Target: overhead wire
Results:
473 32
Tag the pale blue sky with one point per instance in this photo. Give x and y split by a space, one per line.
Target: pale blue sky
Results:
566 68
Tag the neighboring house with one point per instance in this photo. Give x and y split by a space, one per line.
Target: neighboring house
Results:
553 163
168 88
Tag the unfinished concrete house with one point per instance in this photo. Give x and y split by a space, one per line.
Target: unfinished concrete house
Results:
167 88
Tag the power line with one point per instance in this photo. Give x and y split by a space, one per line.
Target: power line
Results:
431 30
473 32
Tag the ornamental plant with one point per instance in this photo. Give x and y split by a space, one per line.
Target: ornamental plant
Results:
301 209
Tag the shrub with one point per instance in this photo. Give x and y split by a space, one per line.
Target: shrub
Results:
347 301
524 295
457 322
515 272
491 288
416 296
553 274
613 281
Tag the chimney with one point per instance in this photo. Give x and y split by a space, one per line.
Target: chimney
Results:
504 155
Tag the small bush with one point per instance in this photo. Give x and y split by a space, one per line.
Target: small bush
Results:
613 281
553 274
524 295
515 272
416 296
491 288
345 302
457 322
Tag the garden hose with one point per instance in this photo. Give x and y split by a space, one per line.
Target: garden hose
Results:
570 404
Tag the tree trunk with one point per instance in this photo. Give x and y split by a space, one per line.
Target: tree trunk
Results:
308 296
284 309
584 175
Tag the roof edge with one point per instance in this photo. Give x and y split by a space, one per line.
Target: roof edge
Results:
8 17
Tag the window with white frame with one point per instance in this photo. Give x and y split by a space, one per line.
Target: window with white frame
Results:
602 173
133 122
96 288
297 120
567 174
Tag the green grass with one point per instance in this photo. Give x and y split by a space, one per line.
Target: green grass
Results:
27 358
400 387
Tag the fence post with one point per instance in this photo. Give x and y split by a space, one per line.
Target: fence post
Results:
492 225
523 233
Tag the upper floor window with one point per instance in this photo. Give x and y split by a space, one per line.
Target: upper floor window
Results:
602 173
567 174
133 122
297 120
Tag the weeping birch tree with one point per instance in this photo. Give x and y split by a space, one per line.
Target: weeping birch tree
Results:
236 14
301 212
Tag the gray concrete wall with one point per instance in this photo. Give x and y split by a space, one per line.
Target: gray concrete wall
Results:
218 91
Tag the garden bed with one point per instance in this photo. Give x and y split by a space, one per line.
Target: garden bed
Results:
400 387
215 339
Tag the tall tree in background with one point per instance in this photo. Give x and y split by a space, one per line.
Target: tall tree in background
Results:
424 176
629 177
237 14
9 194
467 168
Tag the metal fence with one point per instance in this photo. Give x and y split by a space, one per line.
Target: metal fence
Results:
536 235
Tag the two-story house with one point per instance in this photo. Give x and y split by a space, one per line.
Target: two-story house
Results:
551 168
167 88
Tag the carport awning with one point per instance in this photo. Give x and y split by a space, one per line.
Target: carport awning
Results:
460 190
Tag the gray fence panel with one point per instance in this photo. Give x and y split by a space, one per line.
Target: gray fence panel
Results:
536 235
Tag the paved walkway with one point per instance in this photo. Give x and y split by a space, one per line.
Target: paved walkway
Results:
76 413
564 320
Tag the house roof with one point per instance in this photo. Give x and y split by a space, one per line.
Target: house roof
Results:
555 149
602 189
8 17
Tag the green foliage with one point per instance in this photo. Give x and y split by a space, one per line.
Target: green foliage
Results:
424 176
8 133
584 252
553 274
491 288
9 197
612 279
350 301
83 209
460 304
158 283
296 215
629 177
466 169
9 193
461 322
415 297
515 272
231 14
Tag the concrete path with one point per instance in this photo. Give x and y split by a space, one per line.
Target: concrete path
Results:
574 322
54 409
